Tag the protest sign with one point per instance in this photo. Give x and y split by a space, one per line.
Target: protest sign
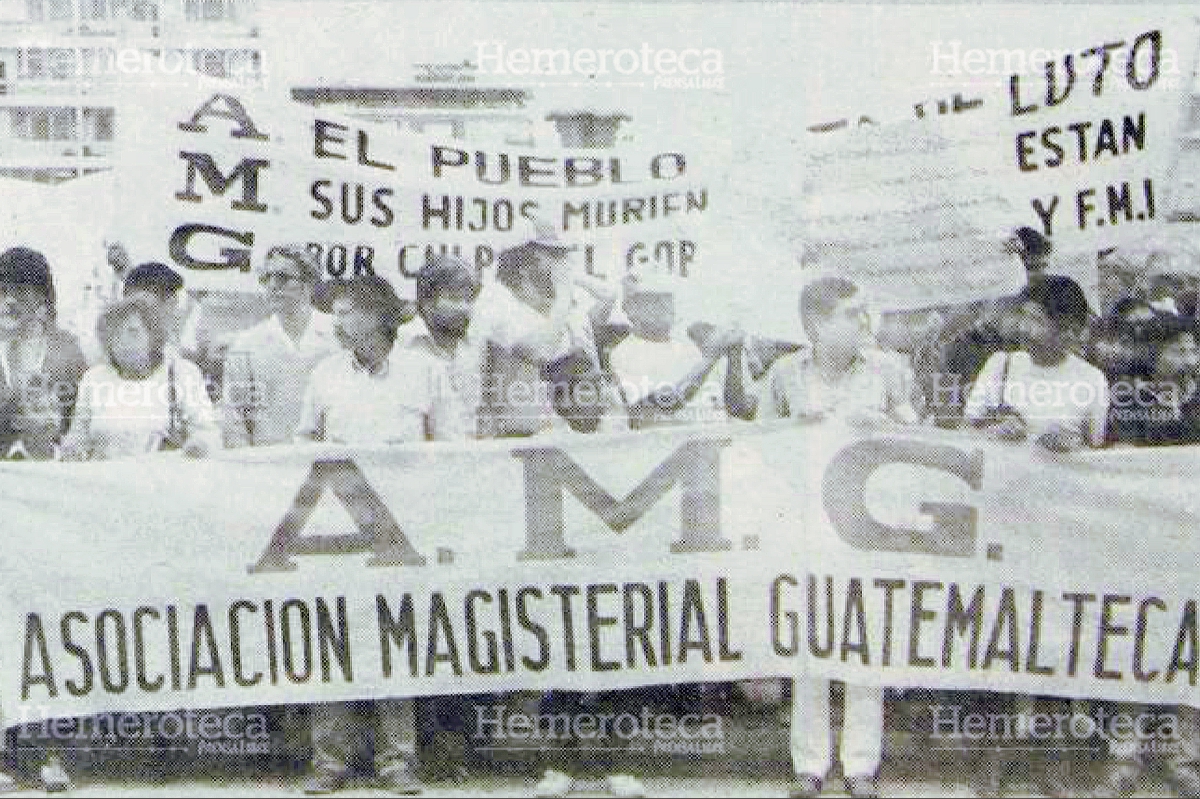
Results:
213 175
902 210
319 573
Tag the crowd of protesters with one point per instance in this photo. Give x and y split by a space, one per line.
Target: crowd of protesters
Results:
335 362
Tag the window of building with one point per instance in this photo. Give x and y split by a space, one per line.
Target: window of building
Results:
93 9
32 63
49 10
43 124
98 124
209 10
210 62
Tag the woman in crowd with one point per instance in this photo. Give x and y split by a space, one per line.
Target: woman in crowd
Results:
138 401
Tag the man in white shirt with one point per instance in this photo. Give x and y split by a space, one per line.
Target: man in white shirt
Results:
538 309
372 393
839 376
268 366
1043 391
447 288
669 380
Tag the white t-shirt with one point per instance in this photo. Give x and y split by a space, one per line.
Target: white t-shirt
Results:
117 417
643 367
1071 395
346 404
517 341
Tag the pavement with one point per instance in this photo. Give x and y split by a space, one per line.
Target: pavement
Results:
752 760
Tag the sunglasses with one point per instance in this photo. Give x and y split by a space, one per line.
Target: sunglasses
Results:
279 278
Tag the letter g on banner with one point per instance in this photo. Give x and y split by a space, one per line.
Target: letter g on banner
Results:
843 491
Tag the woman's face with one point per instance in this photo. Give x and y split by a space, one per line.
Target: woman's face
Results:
131 346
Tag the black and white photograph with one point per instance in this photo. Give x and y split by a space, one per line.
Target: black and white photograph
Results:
639 398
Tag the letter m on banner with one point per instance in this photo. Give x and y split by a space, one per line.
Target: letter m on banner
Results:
695 466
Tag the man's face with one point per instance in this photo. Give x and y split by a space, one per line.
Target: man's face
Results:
847 326
556 263
1116 284
448 312
166 303
1178 358
285 285
21 306
353 326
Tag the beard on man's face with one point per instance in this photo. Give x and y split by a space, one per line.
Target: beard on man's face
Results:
449 324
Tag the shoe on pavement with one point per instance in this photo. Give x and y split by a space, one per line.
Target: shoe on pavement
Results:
863 786
54 776
1185 779
325 781
1123 778
7 783
400 778
805 786
554 784
624 786
1057 777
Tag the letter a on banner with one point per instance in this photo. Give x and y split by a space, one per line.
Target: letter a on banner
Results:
378 530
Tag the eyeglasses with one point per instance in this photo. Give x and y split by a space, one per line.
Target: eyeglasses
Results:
282 279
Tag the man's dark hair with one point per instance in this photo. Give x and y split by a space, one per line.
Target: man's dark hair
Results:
155 277
26 267
820 297
374 294
445 272
1034 246
1061 298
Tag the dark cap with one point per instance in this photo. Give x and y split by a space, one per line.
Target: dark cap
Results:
25 267
154 276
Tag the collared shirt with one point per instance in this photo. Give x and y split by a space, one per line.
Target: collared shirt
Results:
464 371
876 382
266 373
406 401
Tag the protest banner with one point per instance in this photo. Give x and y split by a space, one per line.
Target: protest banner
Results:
212 175
318 573
1073 137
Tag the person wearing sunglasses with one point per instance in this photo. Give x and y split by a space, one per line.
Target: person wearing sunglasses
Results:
267 367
